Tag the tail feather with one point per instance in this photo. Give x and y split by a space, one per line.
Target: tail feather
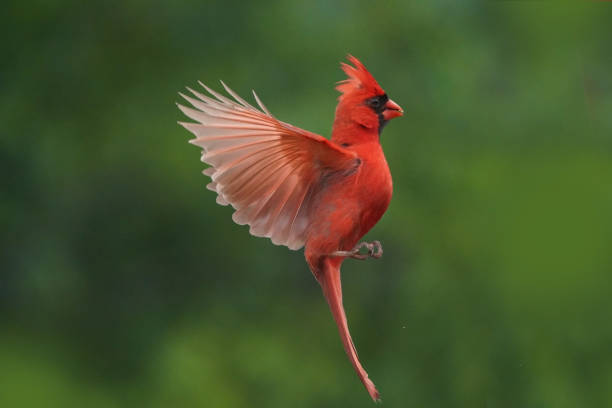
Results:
332 289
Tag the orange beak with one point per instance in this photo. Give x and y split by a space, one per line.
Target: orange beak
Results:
392 110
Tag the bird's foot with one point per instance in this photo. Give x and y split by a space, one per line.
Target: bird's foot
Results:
374 250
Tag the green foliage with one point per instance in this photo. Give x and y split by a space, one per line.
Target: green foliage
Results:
123 284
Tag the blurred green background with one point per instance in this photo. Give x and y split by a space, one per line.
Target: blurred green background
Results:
123 284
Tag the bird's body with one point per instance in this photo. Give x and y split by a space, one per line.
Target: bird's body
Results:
338 226
298 188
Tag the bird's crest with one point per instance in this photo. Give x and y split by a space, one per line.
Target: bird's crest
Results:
359 79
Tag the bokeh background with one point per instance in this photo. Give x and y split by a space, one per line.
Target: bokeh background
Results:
123 284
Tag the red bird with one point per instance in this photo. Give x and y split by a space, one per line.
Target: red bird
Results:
298 188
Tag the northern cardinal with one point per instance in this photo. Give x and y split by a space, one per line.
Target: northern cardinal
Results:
298 188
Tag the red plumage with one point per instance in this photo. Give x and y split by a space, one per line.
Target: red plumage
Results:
359 79
298 188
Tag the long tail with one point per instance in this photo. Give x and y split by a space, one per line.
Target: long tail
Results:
332 289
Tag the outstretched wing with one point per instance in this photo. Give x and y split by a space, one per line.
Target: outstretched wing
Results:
266 169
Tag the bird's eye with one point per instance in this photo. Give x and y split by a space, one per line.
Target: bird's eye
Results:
374 102
377 102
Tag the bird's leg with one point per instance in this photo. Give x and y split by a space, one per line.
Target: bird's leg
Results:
374 251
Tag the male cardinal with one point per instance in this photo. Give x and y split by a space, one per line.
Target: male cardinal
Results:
298 188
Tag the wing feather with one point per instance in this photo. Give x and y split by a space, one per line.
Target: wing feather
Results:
267 170
261 105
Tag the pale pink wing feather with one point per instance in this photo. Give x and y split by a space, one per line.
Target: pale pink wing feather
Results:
266 169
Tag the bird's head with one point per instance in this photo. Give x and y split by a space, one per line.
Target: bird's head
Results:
362 101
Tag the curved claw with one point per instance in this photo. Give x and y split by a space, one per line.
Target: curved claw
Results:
379 251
